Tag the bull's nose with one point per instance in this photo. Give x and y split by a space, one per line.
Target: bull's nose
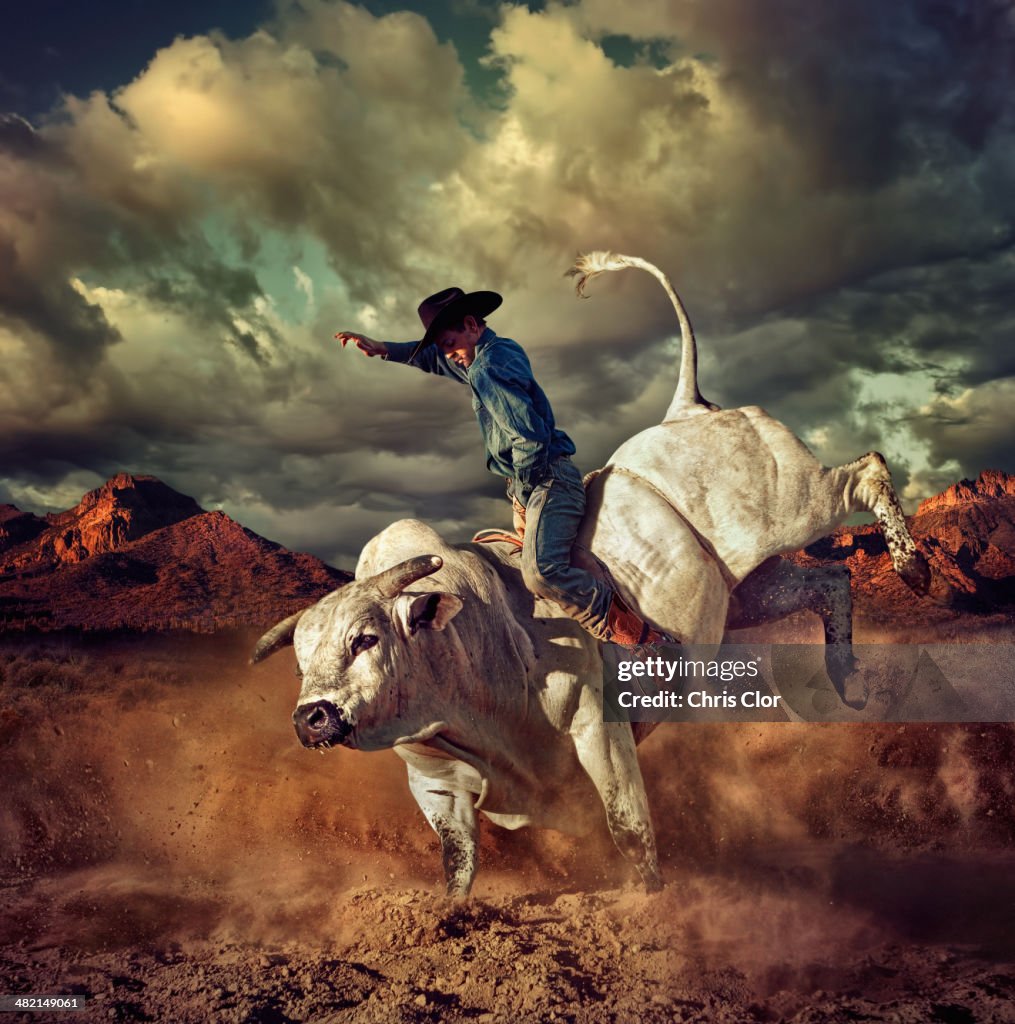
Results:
320 723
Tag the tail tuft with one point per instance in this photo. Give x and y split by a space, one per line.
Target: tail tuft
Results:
589 265
687 396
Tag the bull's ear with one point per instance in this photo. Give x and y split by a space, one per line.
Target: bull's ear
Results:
427 611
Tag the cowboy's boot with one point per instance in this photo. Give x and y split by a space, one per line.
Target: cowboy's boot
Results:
625 627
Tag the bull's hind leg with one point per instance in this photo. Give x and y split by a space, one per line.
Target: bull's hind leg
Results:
778 588
869 488
607 753
452 815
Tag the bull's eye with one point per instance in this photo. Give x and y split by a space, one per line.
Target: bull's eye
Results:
362 643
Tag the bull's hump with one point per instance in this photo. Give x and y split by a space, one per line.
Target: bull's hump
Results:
404 539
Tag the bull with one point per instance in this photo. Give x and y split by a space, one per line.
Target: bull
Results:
493 696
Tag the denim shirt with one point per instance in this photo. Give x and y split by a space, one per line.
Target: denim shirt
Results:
514 415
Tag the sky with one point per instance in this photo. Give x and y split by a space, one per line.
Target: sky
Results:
195 197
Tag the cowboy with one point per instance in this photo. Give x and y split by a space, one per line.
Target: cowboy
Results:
524 445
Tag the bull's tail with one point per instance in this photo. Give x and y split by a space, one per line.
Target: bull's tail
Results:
687 397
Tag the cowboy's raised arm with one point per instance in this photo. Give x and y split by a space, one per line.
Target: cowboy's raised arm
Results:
366 345
428 359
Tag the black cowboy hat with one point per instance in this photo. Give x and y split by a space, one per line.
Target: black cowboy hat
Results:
451 306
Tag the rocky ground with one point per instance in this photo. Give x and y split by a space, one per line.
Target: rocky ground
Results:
169 850
604 956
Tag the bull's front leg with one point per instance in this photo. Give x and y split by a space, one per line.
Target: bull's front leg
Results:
778 588
452 815
607 752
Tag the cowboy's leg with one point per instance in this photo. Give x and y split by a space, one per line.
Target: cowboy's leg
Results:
552 517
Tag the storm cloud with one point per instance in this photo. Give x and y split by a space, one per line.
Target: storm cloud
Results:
828 186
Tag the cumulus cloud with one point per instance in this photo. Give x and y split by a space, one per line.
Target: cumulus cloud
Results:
829 190
974 428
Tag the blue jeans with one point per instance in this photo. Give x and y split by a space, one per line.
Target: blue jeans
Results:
552 517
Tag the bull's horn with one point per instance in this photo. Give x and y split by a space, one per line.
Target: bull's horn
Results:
277 637
393 581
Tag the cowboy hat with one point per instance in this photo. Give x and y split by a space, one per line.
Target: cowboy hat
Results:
440 310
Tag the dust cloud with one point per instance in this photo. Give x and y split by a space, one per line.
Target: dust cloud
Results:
161 823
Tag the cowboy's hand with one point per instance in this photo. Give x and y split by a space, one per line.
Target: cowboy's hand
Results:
363 343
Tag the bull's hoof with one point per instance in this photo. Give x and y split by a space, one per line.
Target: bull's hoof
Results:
652 881
858 704
840 663
915 573
950 585
853 690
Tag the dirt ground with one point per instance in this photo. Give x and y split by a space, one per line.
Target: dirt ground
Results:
168 849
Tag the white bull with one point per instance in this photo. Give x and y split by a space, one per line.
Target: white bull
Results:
493 697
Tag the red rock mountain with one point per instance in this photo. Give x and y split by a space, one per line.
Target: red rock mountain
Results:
989 485
136 554
968 534
16 526
120 511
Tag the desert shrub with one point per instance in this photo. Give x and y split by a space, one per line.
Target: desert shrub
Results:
48 673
